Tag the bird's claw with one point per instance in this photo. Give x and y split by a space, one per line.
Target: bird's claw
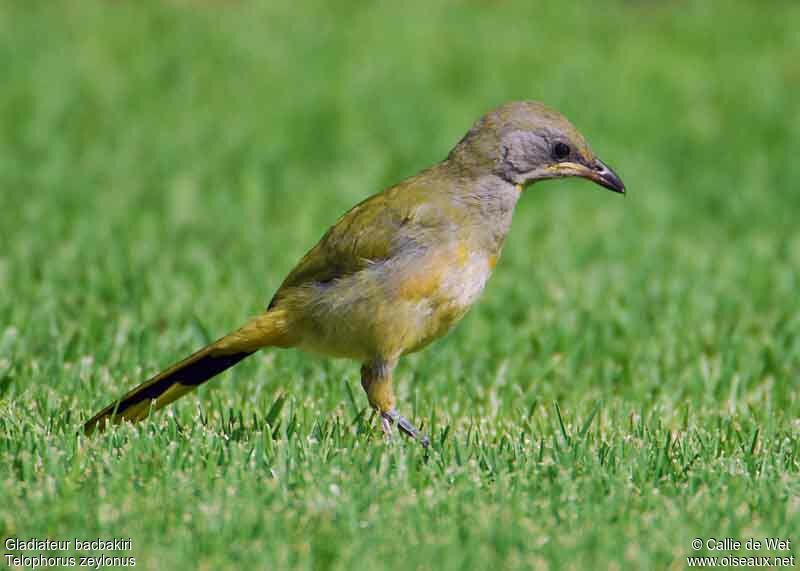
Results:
405 426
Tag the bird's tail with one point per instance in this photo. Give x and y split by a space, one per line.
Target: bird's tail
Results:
265 330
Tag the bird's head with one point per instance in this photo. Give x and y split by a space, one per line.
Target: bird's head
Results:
525 141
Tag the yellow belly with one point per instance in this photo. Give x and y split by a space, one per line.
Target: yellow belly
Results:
392 308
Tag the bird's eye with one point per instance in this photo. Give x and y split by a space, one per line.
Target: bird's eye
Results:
561 151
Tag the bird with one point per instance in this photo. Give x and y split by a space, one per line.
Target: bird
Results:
400 269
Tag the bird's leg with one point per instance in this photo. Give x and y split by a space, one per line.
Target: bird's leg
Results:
376 378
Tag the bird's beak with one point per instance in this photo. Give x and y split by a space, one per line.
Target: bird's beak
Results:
595 170
603 175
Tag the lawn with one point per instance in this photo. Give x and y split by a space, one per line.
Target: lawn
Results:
627 383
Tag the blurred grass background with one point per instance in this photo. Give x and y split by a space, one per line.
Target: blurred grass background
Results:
164 164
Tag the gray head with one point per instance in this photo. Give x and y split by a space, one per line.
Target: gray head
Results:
525 141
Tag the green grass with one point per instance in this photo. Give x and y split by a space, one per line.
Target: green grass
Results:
628 382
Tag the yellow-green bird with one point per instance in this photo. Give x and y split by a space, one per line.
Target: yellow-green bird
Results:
400 269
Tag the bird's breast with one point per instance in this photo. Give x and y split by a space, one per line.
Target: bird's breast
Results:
466 276
397 306
450 288
452 276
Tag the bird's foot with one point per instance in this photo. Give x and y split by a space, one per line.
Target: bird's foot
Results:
390 417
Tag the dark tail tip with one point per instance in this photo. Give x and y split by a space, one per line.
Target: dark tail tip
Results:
164 388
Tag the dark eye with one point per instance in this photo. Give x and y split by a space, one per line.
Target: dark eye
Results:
561 151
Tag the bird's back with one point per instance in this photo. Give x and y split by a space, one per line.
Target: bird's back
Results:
394 272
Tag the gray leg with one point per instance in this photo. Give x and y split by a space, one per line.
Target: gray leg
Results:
376 378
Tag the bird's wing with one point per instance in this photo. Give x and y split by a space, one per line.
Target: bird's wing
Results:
370 232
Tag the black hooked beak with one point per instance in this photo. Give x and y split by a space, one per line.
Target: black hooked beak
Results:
603 175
